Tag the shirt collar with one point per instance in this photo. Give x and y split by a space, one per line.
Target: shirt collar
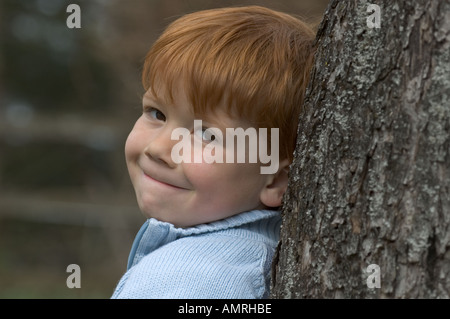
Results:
154 233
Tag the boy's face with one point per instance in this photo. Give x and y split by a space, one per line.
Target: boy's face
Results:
187 194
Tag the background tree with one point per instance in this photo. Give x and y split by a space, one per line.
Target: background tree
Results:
371 174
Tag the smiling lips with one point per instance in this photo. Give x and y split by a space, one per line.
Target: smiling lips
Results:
161 182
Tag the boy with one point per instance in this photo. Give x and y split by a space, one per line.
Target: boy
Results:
213 226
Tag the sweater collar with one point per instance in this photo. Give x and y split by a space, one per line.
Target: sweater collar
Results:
154 233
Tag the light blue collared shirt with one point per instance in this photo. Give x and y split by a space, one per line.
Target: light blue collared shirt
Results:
229 258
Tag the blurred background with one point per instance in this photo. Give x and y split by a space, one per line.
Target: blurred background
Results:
68 98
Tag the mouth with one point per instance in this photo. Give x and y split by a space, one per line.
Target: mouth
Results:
158 181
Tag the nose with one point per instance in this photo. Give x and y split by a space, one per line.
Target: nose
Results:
159 148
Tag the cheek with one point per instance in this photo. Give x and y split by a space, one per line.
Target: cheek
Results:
130 156
129 146
134 147
202 175
134 142
224 180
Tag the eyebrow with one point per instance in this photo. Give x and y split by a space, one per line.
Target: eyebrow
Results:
151 98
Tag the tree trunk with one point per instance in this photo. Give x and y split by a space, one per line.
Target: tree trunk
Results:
370 179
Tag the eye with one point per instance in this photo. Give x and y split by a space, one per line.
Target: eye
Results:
207 134
155 114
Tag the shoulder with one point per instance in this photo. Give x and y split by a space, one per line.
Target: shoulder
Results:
216 265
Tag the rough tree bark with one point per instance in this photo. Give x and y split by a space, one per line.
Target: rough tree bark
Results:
370 182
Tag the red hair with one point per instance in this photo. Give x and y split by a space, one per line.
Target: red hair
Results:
252 60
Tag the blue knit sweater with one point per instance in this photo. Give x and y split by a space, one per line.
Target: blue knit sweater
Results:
229 258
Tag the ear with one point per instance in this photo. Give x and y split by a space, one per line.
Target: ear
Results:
272 194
